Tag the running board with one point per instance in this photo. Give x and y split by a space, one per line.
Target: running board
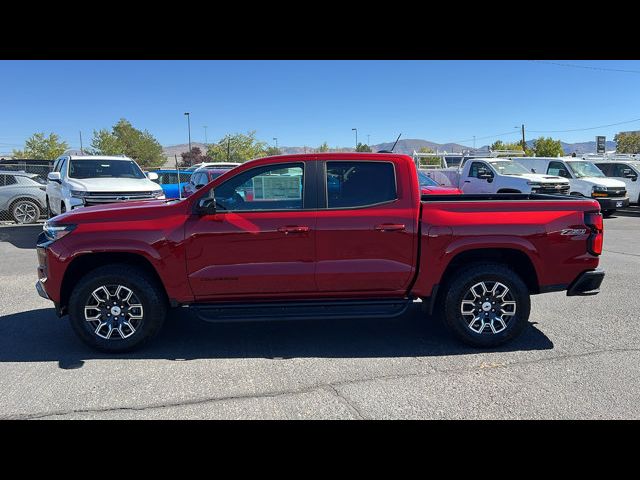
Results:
301 310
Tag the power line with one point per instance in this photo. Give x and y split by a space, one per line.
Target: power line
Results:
588 128
587 67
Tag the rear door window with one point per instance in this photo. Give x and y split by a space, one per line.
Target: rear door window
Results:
360 184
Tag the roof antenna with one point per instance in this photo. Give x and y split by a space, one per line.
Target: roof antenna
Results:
394 146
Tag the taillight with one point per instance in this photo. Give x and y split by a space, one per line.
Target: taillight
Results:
594 221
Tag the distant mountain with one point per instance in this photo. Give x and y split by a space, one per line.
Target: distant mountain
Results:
406 146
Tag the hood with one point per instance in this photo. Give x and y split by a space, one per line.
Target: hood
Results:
125 211
541 178
604 181
433 190
113 184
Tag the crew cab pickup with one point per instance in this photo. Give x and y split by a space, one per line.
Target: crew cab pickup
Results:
369 246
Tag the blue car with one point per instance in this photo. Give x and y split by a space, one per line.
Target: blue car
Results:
168 180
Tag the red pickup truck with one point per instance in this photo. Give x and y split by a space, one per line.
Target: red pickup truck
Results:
368 246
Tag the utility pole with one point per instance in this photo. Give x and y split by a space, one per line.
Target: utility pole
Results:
228 148
189 126
524 143
205 134
276 139
81 150
356 130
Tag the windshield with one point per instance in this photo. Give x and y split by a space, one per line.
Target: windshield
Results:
509 168
585 169
104 169
425 181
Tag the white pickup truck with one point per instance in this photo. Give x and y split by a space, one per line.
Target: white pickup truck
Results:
81 181
498 175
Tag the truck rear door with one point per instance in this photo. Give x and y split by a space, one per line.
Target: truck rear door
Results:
366 226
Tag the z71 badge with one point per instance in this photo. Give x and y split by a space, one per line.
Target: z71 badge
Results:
573 231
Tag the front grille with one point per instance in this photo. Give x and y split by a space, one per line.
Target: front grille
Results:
618 192
95 198
554 189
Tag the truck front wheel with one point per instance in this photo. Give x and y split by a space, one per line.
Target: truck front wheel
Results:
116 308
486 305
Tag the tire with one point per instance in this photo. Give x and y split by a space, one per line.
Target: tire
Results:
63 208
607 213
147 305
471 327
49 212
25 211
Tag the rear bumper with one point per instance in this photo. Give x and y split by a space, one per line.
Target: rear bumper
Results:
613 203
587 283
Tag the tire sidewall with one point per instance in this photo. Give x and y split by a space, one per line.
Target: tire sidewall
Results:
20 202
153 307
459 288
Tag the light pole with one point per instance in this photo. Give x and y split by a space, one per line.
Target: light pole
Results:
189 127
205 134
356 130
276 139
368 139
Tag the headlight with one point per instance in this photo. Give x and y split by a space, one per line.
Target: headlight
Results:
598 188
79 193
55 232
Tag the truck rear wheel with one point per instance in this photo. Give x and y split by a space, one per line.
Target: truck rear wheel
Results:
486 305
116 308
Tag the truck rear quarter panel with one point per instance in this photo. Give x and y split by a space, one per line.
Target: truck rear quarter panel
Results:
539 229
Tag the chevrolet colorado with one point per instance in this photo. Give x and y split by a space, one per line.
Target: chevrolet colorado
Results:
318 235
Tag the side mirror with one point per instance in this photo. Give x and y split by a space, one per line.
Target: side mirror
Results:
54 177
153 176
484 175
207 206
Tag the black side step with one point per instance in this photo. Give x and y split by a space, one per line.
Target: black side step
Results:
301 310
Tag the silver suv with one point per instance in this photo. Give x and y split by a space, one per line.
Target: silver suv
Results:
22 196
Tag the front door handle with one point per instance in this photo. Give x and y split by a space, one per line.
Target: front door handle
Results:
390 227
293 229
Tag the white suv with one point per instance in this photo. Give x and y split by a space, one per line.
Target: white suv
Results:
79 181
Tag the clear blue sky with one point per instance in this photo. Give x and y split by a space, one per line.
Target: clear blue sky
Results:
308 102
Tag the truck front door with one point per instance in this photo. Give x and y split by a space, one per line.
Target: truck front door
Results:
261 240
479 179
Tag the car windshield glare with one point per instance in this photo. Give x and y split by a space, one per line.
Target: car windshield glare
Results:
104 169
509 168
585 169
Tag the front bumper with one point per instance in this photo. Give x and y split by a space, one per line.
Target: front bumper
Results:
587 283
611 203
41 291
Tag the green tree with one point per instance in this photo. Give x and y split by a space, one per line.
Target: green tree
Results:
627 142
428 160
124 139
323 148
40 147
547 147
500 145
271 151
238 147
362 147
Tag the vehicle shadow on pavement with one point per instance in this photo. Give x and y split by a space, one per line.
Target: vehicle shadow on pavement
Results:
21 236
39 336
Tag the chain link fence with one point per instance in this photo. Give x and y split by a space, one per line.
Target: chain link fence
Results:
23 191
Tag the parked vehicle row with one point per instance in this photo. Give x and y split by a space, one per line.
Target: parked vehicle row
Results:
322 235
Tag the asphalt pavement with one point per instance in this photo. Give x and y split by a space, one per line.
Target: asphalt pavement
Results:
579 358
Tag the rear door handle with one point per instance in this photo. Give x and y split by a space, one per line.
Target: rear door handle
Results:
390 227
293 229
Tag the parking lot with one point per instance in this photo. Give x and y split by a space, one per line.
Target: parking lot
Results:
579 358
